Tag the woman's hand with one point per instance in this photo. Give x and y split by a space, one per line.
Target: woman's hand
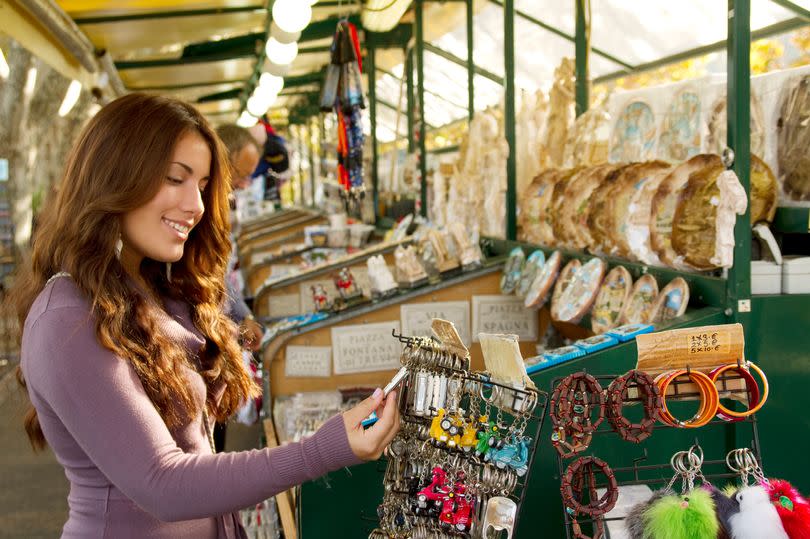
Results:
368 444
251 332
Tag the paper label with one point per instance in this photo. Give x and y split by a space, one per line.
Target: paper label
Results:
283 305
366 348
281 270
503 314
3 170
308 362
417 318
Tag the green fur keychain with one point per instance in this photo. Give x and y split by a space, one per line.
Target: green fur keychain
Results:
689 516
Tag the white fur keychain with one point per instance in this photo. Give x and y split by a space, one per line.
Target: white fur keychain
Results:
757 517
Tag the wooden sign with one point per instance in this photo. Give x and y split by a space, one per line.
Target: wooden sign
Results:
417 317
503 314
366 348
283 305
308 362
701 348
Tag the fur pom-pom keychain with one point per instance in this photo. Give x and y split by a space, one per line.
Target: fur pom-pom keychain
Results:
757 517
724 507
634 521
792 507
689 516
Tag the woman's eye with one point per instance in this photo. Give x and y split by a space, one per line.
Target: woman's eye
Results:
174 181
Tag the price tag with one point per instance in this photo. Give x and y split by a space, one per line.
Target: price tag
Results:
283 305
308 362
366 348
708 342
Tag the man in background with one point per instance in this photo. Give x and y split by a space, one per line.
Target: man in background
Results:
243 157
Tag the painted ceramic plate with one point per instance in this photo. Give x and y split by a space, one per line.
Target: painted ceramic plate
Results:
671 302
564 280
541 286
578 297
639 308
531 268
680 129
794 132
612 300
633 137
512 269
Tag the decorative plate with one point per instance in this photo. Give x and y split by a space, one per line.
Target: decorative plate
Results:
633 137
671 302
578 297
531 268
680 129
639 308
794 134
512 269
540 287
564 280
612 300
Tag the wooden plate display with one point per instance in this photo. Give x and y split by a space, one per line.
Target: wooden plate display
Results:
512 270
611 300
572 217
599 210
637 228
718 127
794 139
541 286
665 202
680 128
694 224
639 308
534 205
633 135
534 263
671 302
627 186
548 236
577 298
565 279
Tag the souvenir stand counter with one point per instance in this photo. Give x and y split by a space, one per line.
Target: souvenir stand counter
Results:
610 273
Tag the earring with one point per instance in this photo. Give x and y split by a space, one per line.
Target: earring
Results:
118 246
169 271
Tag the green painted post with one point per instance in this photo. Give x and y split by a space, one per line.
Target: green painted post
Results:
470 63
409 102
311 125
509 117
582 55
420 81
739 140
372 98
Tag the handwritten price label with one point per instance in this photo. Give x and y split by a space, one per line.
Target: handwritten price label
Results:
708 343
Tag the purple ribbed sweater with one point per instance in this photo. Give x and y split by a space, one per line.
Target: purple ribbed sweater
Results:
130 476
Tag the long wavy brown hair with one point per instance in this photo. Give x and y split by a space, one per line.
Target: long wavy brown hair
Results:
119 163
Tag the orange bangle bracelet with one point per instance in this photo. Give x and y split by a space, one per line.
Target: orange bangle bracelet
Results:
709 398
747 366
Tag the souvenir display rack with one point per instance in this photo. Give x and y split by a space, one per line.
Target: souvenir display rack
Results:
534 423
660 472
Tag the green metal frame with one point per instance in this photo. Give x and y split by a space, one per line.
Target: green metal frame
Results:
739 140
420 89
470 63
582 55
371 64
509 117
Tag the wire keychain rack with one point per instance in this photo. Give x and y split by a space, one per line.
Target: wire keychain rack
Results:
535 419
645 474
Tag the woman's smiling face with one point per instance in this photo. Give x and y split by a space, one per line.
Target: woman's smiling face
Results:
160 228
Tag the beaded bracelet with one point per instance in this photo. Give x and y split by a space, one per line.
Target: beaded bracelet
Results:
651 400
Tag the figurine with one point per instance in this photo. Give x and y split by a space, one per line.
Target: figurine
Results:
382 282
435 493
408 269
514 454
469 253
443 258
346 285
319 297
488 438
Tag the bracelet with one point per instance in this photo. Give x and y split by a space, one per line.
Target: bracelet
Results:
572 396
756 400
651 400
573 483
709 398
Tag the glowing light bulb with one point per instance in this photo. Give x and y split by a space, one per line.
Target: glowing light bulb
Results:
246 120
271 82
292 15
281 53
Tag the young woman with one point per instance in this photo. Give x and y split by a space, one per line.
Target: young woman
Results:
126 353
